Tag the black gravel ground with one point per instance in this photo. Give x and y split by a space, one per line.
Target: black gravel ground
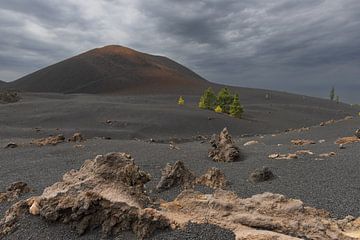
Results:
331 183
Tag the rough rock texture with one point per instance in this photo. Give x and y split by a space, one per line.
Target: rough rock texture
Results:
9 97
9 222
14 191
223 148
301 142
261 175
263 216
77 137
304 152
52 140
213 178
347 140
107 192
175 175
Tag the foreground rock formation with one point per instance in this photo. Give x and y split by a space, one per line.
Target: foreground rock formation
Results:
223 148
109 192
263 216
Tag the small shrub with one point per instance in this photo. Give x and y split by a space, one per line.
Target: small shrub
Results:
181 100
218 109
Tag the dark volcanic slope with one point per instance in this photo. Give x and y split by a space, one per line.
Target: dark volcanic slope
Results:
112 69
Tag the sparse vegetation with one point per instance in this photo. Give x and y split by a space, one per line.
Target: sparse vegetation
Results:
235 108
8 96
181 101
332 94
223 102
218 109
208 99
225 99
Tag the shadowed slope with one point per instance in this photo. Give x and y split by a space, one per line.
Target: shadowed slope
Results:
113 69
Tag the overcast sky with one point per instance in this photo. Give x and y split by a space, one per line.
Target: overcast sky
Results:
303 46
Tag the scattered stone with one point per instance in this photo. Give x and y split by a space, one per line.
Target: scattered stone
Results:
213 178
303 152
52 140
151 140
14 191
106 192
250 143
109 122
325 155
348 117
77 137
173 146
261 175
302 142
263 216
322 141
223 148
9 96
341 146
175 175
357 133
279 156
11 145
347 140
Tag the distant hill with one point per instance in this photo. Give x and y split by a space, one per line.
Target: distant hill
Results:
113 69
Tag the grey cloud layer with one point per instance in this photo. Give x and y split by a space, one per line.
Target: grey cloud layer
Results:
302 46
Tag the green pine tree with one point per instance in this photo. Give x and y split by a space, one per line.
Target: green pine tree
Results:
332 94
236 109
225 99
208 99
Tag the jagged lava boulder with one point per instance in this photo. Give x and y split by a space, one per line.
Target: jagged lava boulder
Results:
223 148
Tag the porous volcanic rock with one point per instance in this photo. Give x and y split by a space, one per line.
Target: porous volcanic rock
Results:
14 191
223 148
347 140
263 216
175 175
52 140
279 156
261 175
77 137
213 178
107 191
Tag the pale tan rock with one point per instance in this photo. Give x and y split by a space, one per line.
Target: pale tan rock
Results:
249 143
213 178
77 137
279 156
35 208
347 140
52 140
325 155
263 216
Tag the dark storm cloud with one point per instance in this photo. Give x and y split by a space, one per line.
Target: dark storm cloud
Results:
303 46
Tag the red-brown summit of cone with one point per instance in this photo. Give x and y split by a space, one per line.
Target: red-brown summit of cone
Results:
113 69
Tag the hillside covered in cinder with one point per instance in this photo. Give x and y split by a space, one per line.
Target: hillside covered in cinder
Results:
112 69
